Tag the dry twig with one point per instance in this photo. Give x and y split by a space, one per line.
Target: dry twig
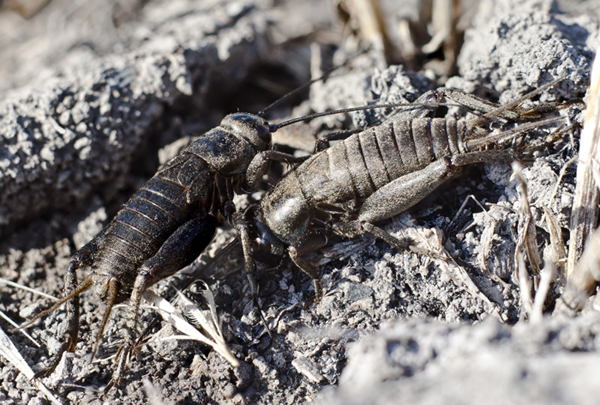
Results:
210 324
584 215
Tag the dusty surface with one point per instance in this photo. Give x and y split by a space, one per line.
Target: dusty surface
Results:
81 131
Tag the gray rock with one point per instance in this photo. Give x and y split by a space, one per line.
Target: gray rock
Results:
426 362
76 133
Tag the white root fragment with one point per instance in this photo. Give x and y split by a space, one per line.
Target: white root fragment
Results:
548 274
524 287
153 394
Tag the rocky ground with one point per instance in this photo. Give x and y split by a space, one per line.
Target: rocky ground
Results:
94 97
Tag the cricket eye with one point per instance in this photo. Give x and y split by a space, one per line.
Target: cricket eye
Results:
263 132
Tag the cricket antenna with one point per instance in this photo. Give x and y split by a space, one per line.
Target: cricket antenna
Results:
297 90
275 127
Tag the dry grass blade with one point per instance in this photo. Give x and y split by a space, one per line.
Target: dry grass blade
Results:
526 243
176 318
526 228
16 326
583 277
368 17
582 282
557 244
25 288
442 24
12 355
584 214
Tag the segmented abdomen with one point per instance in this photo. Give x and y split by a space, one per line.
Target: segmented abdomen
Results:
146 221
365 162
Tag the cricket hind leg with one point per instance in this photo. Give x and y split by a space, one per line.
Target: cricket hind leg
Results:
178 251
406 191
509 111
84 257
72 319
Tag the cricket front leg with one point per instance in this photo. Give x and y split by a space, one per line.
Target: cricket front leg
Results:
310 242
259 166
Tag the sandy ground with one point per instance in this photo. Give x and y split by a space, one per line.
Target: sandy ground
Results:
93 98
